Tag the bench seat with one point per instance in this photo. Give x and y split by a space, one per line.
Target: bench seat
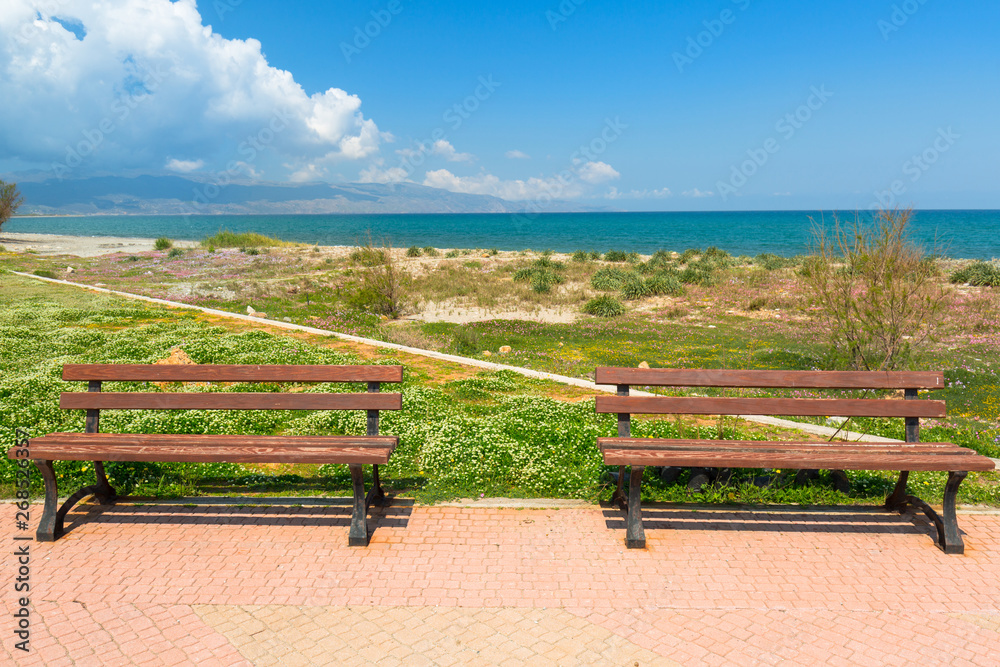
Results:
795 455
207 448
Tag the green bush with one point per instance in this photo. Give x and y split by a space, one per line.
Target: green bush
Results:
664 284
368 255
523 275
608 279
430 251
175 252
879 298
689 254
163 243
771 262
413 251
44 273
542 281
604 306
616 256
699 273
451 254
580 256
634 287
546 262
227 239
983 274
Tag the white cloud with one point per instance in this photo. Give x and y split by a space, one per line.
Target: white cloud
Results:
309 173
597 172
658 193
698 193
517 155
376 174
185 166
488 184
150 80
444 148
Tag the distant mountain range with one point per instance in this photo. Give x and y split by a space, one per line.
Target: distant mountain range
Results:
171 195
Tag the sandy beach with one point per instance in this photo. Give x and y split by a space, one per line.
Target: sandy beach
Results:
80 246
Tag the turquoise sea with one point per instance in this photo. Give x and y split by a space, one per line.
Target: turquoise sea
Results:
961 234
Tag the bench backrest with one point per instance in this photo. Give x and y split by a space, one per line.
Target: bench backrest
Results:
94 400
910 382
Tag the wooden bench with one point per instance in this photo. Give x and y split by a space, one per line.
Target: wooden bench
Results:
904 456
355 451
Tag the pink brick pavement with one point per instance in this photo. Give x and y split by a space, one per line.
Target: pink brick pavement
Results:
135 585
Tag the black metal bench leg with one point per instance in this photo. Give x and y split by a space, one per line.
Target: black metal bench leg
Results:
897 500
618 497
635 536
950 537
358 536
104 492
50 527
378 493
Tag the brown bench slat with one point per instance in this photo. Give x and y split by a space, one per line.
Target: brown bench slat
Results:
934 448
102 400
798 460
677 377
817 407
232 448
231 373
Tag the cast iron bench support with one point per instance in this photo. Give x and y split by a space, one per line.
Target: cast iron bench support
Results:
912 454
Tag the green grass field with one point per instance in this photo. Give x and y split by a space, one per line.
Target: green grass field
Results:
462 434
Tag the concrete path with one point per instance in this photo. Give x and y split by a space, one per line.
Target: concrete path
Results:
217 585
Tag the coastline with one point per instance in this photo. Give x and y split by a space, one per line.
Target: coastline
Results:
94 246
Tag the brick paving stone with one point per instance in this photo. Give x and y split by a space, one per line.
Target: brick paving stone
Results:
236 586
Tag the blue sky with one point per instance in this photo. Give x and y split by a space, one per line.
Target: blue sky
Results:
726 104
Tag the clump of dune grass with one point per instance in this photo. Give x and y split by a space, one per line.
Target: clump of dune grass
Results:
982 274
227 239
604 306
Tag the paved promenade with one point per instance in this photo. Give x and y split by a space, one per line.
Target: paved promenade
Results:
216 585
